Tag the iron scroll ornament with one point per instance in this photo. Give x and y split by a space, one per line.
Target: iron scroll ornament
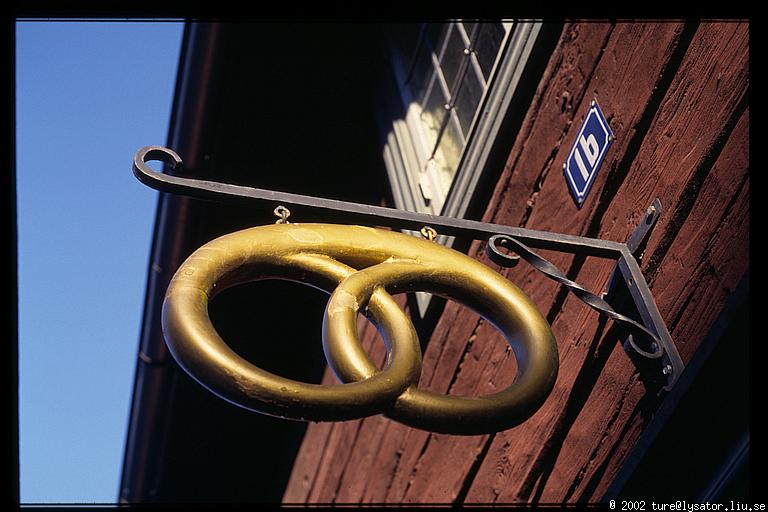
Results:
360 267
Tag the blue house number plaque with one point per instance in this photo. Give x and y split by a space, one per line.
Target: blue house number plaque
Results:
587 153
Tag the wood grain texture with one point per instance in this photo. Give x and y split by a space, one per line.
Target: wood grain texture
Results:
554 211
675 96
618 408
669 177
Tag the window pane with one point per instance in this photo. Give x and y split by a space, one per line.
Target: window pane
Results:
468 27
452 57
433 114
448 152
423 68
468 99
488 44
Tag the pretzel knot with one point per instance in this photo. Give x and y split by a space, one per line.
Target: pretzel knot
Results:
360 267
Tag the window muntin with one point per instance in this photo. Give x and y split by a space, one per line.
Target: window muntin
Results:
455 83
443 71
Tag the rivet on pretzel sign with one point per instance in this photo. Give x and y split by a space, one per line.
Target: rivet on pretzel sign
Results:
360 267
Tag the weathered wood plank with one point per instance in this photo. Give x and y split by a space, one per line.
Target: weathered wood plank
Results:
554 211
334 461
595 470
666 146
545 126
305 467
669 178
403 479
443 346
392 462
703 266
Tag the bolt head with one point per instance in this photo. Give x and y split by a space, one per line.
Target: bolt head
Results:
667 370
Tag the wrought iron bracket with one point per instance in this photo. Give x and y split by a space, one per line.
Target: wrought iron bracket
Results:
653 342
670 361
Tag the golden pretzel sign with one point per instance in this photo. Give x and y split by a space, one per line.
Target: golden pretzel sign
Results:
360 267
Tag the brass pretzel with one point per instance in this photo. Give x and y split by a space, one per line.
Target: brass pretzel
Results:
361 266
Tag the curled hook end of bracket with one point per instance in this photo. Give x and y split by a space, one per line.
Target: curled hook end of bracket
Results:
154 153
496 255
656 349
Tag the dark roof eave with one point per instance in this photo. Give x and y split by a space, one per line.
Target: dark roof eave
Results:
172 238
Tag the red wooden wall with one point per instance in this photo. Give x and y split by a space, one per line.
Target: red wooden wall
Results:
675 96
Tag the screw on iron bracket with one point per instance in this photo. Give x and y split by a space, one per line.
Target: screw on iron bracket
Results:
667 370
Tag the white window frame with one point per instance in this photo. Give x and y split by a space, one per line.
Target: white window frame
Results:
406 152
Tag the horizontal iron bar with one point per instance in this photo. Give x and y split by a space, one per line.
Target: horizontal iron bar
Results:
359 213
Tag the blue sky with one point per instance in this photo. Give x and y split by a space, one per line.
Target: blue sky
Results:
88 95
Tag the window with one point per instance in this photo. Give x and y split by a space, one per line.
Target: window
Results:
455 83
